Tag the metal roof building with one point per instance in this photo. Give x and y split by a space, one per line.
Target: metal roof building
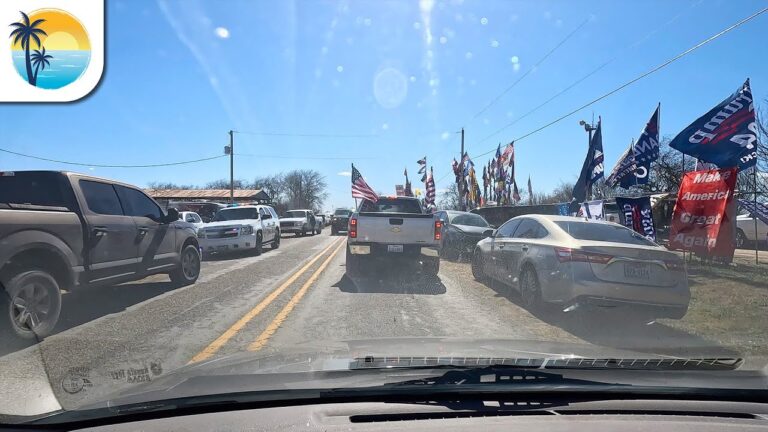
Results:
221 195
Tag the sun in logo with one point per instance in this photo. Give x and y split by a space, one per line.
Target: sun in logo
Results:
50 48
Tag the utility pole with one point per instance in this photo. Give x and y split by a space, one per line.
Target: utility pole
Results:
461 165
231 167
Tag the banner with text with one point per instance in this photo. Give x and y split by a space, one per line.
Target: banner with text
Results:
636 214
700 212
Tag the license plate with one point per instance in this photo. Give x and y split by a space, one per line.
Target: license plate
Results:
395 248
637 271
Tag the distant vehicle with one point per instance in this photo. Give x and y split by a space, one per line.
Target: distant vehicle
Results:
192 218
241 228
300 222
321 222
67 231
206 210
745 230
340 220
393 230
572 262
461 232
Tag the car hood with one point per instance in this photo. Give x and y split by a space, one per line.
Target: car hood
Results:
316 363
293 219
471 230
231 223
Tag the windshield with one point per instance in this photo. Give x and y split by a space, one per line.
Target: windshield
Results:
296 214
394 179
468 220
391 205
236 214
603 232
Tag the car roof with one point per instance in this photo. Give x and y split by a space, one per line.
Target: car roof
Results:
242 206
300 210
558 218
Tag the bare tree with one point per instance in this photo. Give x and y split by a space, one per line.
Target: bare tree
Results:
224 184
305 189
168 185
273 185
449 200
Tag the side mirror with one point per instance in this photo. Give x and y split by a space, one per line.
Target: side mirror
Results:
171 215
488 233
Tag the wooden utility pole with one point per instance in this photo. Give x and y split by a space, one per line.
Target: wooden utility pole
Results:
231 167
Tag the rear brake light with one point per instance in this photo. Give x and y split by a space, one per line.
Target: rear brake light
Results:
438 230
575 255
353 228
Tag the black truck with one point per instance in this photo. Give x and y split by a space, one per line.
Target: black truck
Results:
66 231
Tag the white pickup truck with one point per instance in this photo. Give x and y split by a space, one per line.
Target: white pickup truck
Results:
393 231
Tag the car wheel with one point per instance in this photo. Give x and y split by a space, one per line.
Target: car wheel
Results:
530 289
477 266
189 267
32 305
431 266
276 242
741 238
257 250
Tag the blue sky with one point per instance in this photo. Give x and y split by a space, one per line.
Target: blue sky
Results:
401 76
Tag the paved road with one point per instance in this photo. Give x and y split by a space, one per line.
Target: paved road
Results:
296 296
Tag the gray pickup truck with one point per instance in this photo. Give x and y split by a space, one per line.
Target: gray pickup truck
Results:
396 232
66 231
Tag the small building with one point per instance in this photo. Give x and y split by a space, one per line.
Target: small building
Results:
215 195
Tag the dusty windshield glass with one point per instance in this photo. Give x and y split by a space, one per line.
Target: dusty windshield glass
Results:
408 179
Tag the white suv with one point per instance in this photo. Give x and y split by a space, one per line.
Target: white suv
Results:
241 228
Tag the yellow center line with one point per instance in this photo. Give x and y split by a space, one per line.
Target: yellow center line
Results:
211 349
280 318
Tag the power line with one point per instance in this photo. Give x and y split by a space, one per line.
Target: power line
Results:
531 69
306 135
632 81
111 166
306 157
594 71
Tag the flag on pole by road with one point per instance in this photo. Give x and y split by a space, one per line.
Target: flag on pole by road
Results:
422 161
360 188
530 190
430 199
592 170
645 150
515 192
623 173
423 169
509 153
726 135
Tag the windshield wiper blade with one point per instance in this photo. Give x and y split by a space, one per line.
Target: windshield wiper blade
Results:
666 364
371 362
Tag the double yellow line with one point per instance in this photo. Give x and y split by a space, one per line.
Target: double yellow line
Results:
260 341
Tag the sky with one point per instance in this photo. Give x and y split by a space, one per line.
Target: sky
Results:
382 84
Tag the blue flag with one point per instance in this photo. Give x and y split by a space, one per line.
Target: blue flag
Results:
646 149
592 170
623 173
637 214
725 136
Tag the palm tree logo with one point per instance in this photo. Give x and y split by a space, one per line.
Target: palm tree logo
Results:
50 48
27 32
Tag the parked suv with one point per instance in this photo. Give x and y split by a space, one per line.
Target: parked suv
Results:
300 222
241 228
65 231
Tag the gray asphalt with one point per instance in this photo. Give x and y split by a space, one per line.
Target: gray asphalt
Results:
113 338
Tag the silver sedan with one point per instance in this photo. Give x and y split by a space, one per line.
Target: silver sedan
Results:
573 262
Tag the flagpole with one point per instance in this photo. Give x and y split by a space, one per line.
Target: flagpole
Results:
754 216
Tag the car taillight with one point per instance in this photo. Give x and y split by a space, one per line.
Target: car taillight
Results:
438 230
575 255
353 228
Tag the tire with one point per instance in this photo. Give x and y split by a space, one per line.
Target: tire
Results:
189 268
38 289
741 238
530 289
352 263
431 266
259 244
276 241
477 266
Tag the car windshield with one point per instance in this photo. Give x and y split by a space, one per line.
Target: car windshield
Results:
595 231
468 220
236 214
411 182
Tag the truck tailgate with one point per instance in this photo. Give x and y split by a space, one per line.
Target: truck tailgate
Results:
396 228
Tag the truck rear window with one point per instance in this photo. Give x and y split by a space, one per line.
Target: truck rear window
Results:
391 205
35 188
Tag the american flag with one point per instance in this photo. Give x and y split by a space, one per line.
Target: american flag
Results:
509 153
430 199
360 188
